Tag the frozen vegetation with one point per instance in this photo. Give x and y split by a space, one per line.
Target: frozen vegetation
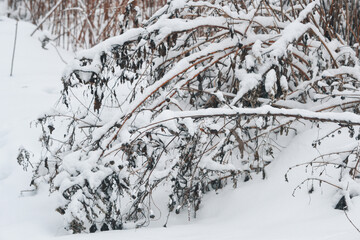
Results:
210 120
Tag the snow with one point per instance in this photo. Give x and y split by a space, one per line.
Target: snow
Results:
23 94
3 7
248 81
33 89
343 117
284 83
270 82
258 209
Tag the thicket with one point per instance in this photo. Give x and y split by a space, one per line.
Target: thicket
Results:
78 24
199 96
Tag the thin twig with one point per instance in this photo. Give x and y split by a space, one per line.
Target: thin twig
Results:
13 55
357 229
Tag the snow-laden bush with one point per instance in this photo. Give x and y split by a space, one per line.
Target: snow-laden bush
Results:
204 94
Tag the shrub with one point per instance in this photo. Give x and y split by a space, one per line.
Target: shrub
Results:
200 96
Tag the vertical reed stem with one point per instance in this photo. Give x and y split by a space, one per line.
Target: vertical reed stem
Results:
13 55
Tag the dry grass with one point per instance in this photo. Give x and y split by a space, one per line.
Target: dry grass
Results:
84 23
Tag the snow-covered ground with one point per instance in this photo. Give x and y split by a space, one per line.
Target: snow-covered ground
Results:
3 6
258 209
33 89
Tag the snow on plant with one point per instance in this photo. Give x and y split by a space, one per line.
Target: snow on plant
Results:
338 169
204 94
